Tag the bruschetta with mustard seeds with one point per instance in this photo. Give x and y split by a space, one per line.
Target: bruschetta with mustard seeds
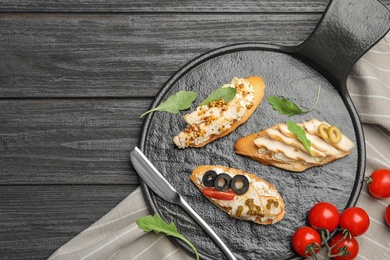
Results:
217 119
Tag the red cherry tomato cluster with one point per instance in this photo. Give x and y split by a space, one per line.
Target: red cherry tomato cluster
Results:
324 218
378 184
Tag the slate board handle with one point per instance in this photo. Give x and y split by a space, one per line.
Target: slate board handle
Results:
347 30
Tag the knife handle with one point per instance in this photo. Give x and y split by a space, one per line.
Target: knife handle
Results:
207 228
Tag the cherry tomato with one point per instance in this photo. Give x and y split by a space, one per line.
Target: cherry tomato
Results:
341 245
379 183
306 240
324 215
387 215
219 195
355 220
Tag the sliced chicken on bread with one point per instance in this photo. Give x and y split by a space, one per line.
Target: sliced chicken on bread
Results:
279 147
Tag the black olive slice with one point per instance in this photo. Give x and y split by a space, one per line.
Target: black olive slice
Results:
208 178
222 182
239 184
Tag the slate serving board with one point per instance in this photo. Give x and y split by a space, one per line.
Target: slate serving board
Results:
286 77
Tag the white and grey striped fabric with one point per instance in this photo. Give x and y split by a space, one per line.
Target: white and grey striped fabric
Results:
116 235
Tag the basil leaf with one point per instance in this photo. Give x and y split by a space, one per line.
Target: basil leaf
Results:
179 101
157 224
227 94
301 135
286 107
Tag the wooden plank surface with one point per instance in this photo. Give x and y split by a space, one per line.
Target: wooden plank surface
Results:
157 6
65 141
110 55
74 78
36 220
164 6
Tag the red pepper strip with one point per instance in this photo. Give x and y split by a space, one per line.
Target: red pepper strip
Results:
219 195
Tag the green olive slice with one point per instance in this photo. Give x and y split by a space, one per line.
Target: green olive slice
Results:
334 134
323 131
239 184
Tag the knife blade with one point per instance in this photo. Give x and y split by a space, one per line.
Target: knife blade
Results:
157 183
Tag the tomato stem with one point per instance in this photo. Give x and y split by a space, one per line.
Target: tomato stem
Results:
343 251
325 234
368 179
312 250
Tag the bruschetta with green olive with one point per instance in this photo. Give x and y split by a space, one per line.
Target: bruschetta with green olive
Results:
279 147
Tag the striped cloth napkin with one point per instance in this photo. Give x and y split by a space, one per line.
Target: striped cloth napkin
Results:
117 236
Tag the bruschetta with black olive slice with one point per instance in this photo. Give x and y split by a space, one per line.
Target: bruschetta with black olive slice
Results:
242 195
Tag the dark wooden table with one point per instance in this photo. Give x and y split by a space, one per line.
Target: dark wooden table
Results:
75 76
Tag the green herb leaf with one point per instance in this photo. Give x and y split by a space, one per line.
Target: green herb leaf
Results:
179 101
286 107
226 94
157 224
301 135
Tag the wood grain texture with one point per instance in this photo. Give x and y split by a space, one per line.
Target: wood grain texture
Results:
69 141
165 6
36 220
156 6
83 55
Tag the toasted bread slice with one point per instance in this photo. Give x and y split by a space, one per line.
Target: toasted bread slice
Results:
261 203
207 123
280 149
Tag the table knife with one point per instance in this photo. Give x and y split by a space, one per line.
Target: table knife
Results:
157 183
